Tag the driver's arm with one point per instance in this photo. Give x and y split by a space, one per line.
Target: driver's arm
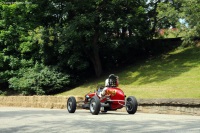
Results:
103 91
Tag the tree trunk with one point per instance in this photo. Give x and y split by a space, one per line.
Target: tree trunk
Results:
155 21
97 65
95 58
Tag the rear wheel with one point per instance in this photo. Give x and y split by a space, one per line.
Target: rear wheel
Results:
95 105
71 104
131 105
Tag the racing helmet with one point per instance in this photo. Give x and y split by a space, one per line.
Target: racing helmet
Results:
106 83
112 81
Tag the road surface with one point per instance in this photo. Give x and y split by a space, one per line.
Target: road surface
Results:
32 120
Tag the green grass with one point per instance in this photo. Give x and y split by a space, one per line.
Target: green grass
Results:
174 75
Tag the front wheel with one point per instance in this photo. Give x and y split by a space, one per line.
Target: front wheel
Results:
131 105
95 105
71 104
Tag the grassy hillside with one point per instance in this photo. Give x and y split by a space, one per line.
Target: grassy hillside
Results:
174 75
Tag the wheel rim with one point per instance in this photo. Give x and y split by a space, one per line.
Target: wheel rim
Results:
69 104
129 106
92 106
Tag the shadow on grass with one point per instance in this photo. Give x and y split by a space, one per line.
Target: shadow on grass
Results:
161 69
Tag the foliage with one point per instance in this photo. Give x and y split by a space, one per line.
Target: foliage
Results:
96 28
79 38
3 93
183 15
38 80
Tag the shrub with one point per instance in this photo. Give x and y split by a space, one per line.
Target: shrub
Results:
38 80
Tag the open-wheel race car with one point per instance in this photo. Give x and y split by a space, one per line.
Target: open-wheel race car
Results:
108 98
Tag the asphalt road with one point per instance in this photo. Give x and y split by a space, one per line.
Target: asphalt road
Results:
31 120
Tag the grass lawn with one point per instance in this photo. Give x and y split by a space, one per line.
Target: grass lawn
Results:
174 75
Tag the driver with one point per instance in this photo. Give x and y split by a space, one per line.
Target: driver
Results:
111 81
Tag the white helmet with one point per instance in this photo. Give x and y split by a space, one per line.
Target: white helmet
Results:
106 83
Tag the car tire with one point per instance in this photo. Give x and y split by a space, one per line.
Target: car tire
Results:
71 104
131 105
95 105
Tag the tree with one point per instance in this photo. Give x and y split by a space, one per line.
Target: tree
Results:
183 15
162 15
19 46
190 14
72 37
95 25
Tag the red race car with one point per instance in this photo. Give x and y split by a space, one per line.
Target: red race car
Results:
108 98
